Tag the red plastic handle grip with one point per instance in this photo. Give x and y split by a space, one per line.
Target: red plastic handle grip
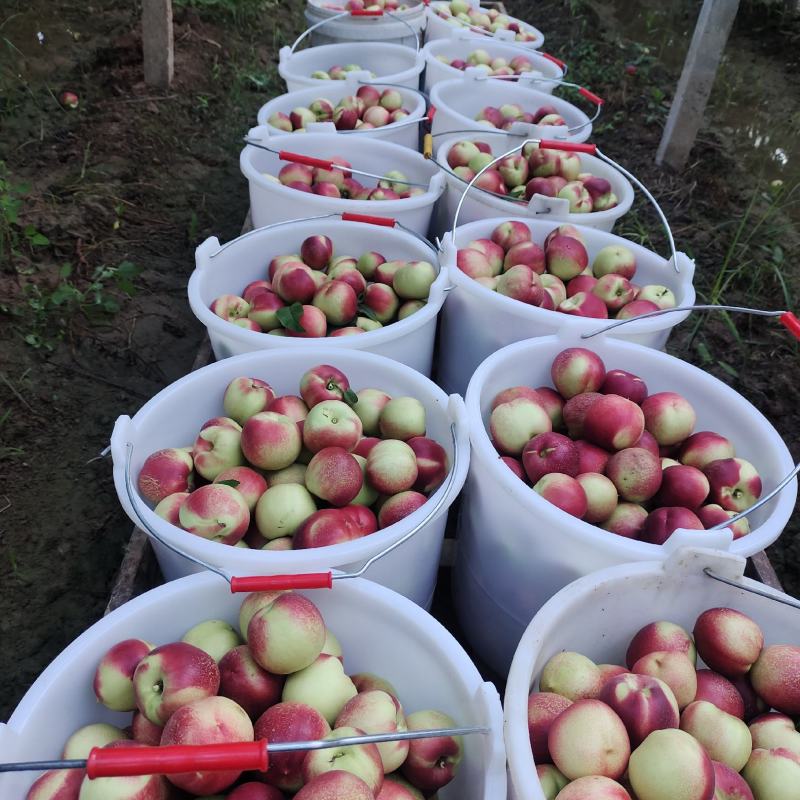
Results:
557 61
791 323
570 147
269 583
171 759
363 12
309 161
591 96
386 222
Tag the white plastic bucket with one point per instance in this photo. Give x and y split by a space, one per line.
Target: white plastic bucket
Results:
404 133
599 614
229 269
441 28
459 101
462 43
516 550
477 321
380 632
173 417
388 63
271 201
480 205
395 28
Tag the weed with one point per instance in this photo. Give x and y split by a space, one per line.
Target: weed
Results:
15 235
49 314
240 10
8 452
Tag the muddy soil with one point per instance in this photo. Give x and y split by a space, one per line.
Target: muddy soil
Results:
137 175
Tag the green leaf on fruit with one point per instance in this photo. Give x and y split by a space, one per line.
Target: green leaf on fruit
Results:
350 397
289 317
234 484
366 311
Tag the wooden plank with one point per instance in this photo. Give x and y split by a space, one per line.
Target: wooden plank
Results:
765 571
158 43
694 87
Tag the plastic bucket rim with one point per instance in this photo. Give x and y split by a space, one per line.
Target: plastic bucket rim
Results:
578 324
631 549
432 193
346 552
389 332
580 118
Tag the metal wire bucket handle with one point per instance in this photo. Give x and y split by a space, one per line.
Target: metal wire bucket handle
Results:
572 147
310 580
323 163
787 319
345 216
239 756
785 600
379 12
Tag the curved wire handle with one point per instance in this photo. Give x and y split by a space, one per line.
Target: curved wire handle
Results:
575 147
344 216
368 14
787 601
136 506
787 319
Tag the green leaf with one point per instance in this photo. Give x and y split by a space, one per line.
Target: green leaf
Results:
728 368
289 317
350 397
65 270
366 311
39 240
704 352
234 484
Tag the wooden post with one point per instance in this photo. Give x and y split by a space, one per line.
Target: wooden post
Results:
157 44
699 70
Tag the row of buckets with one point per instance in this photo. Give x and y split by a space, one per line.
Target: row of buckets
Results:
528 580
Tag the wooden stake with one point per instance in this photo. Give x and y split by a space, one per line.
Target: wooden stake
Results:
157 42
699 70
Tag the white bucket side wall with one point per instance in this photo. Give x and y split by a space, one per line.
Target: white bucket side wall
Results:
377 629
477 322
505 571
164 422
598 616
245 259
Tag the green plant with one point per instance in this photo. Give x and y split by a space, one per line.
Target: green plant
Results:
49 313
14 233
240 10
7 451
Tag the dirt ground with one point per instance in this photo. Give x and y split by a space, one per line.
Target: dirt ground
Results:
141 176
